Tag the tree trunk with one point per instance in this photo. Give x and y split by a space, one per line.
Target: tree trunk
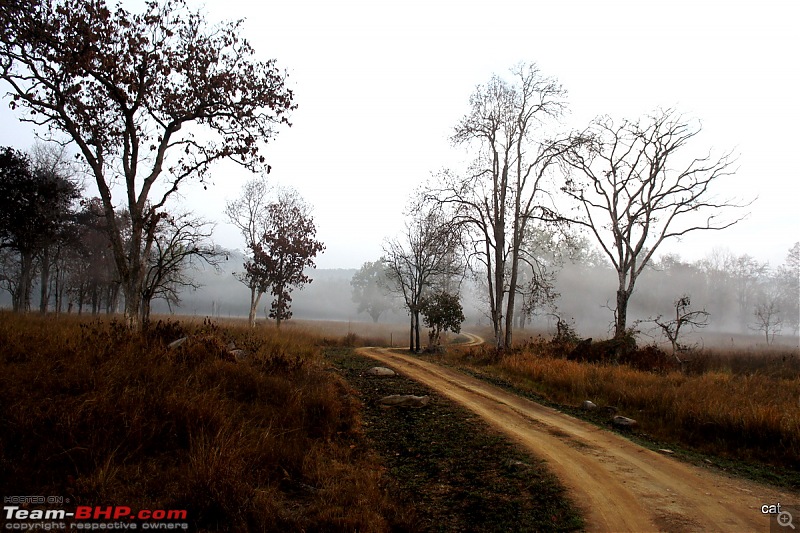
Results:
145 311
81 296
22 299
622 313
132 289
95 300
112 300
511 305
44 295
411 332
255 296
499 282
498 300
279 309
416 330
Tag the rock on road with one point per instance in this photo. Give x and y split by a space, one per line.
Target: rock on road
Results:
619 485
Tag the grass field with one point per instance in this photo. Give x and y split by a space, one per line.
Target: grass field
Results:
279 441
104 417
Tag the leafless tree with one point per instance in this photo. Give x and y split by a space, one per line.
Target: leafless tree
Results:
182 243
767 315
503 192
150 99
424 260
249 214
683 317
634 189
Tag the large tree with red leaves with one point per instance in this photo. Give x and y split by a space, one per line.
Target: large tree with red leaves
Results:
150 99
287 247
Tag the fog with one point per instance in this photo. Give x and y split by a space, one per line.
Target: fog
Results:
586 296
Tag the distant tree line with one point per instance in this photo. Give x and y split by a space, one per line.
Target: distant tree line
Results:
51 235
728 292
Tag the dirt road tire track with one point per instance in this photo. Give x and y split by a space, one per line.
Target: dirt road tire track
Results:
619 485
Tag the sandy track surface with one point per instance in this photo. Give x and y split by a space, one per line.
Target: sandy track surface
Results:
619 485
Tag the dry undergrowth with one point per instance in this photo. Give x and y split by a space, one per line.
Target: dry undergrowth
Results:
743 405
105 417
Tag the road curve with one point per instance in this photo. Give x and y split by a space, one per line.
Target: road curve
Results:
619 485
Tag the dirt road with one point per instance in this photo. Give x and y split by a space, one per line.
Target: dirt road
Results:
619 485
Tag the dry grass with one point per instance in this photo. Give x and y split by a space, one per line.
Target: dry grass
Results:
104 417
738 404
334 332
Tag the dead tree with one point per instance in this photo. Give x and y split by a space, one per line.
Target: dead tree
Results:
634 188
503 193
684 318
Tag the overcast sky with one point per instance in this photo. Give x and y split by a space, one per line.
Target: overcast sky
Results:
381 84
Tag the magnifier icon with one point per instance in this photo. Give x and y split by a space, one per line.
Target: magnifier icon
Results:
785 519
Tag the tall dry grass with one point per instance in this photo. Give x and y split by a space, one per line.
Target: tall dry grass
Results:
106 417
737 405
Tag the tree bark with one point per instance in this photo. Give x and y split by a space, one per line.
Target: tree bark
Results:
255 296
411 332
44 295
416 330
623 296
133 301
21 300
145 311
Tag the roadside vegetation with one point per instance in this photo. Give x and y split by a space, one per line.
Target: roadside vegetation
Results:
735 404
103 416
288 437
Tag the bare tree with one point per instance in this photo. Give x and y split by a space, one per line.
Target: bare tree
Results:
424 260
683 317
249 214
767 315
504 190
149 98
633 192
182 243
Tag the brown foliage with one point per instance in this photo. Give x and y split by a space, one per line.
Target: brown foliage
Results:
107 417
742 405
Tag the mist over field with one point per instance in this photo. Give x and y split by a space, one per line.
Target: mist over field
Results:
585 298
